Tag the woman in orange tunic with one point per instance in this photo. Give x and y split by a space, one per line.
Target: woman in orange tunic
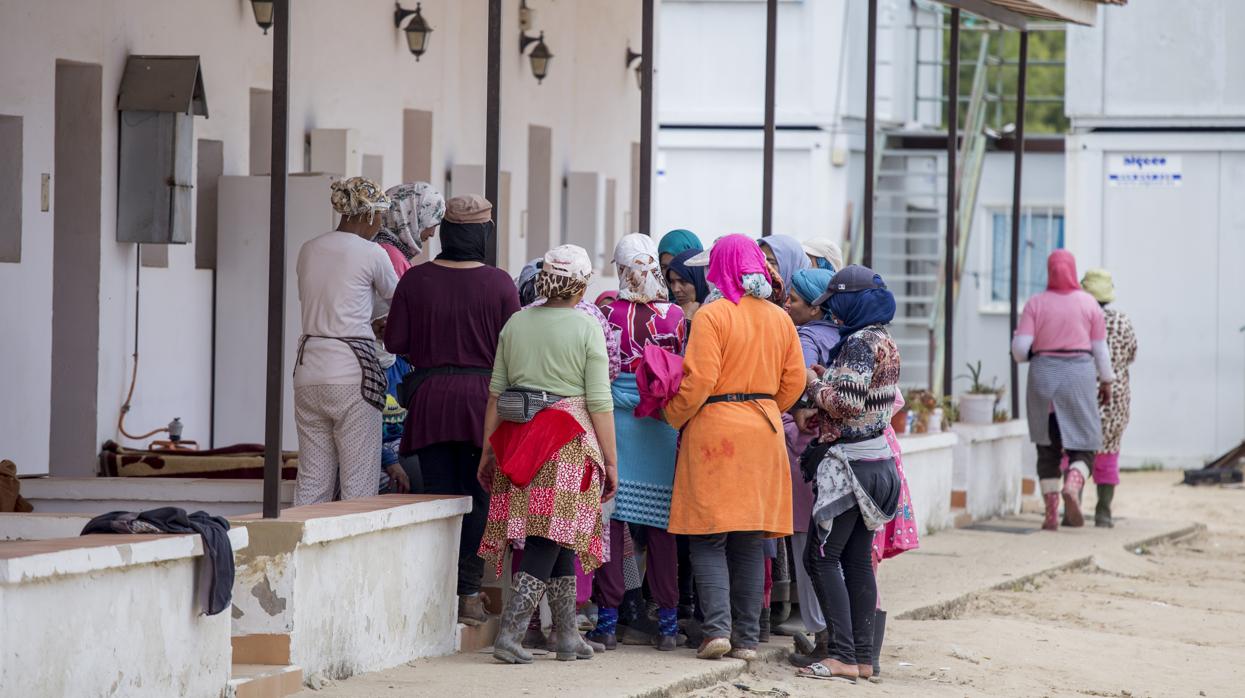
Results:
732 484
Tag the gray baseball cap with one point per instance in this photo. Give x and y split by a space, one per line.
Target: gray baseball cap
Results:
850 279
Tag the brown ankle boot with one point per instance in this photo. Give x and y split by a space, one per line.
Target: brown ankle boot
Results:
1051 522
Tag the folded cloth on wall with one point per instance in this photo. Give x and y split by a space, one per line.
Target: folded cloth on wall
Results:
216 567
657 379
238 461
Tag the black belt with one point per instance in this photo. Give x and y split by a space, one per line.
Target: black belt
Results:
411 382
738 397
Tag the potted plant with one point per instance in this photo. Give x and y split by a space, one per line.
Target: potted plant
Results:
921 403
977 405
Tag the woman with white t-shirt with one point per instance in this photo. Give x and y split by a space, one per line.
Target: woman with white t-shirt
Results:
339 386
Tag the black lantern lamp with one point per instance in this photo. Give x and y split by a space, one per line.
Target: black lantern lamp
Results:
638 60
540 55
263 13
417 30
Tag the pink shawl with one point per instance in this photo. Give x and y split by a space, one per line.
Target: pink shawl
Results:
731 258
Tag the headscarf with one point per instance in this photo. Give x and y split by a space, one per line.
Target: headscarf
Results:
414 207
693 275
1061 272
827 252
1098 283
357 196
855 310
737 267
566 272
639 274
809 284
527 281
605 297
789 254
466 229
678 241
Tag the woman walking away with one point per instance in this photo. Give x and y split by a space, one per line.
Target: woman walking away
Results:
732 485
552 461
1062 334
824 253
818 336
673 244
1122 342
339 385
446 318
852 467
646 447
415 211
687 284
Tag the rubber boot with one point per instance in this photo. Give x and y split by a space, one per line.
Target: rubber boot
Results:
607 627
668 629
514 619
1051 522
534 638
821 650
1102 512
765 627
568 644
879 634
1073 484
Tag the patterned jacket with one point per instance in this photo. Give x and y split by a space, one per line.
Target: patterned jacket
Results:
857 394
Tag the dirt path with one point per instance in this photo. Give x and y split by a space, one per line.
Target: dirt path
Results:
1165 621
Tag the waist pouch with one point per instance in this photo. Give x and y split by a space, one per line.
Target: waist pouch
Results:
520 405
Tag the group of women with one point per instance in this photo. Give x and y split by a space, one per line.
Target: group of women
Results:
688 406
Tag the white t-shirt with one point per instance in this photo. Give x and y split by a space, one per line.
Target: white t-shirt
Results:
344 282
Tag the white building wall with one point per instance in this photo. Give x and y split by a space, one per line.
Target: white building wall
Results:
350 69
1159 63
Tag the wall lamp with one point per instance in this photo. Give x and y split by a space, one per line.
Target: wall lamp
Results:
638 60
540 55
417 30
263 13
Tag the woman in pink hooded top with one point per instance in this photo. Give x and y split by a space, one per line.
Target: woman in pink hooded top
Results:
1063 336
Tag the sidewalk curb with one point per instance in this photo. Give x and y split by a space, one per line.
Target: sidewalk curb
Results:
722 670
948 610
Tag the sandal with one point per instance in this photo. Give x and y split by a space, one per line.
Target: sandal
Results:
824 673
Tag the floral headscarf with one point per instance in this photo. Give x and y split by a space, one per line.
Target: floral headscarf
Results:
415 207
357 196
566 272
639 273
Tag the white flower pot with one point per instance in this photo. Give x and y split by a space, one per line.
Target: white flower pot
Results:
977 409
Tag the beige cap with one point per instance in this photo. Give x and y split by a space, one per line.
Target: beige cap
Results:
471 208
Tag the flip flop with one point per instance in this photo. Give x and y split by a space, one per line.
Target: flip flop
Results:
822 672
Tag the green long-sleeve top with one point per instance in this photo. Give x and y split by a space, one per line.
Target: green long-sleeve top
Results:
560 350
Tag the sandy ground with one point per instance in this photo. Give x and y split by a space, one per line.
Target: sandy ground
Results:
1163 621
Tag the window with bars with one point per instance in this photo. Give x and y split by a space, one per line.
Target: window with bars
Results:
1041 232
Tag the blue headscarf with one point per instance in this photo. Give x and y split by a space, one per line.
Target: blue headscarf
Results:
809 284
678 241
693 275
823 265
789 254
855 310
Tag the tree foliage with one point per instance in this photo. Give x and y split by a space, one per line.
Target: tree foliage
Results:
1044 111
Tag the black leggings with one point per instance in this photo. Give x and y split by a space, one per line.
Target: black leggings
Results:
1050 456
450 468
544 559
841 571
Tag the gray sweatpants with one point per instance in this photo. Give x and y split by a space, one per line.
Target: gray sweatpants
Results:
730 584
810 609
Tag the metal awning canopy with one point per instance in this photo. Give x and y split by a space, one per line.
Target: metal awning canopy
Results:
163 84
1018 14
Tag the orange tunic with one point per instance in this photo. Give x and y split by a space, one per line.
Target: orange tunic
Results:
733 473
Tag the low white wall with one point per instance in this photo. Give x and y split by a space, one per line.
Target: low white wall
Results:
99 495
928 465
357 586
989 467
41 526
114 620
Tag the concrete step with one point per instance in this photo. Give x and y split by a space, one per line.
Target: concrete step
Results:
473 638
265 680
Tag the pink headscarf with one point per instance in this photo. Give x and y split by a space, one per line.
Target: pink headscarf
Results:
1061 272
732 257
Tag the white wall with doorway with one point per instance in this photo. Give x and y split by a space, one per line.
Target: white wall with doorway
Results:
350 68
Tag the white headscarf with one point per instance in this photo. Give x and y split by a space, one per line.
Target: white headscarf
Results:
827 249
639 272
566 271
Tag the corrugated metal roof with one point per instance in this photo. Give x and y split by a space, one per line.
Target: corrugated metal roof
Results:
1018 13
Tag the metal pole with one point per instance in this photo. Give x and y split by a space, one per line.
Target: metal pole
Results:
953 117
767 168
492 136
1014 285
871 78
274 391
646 118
